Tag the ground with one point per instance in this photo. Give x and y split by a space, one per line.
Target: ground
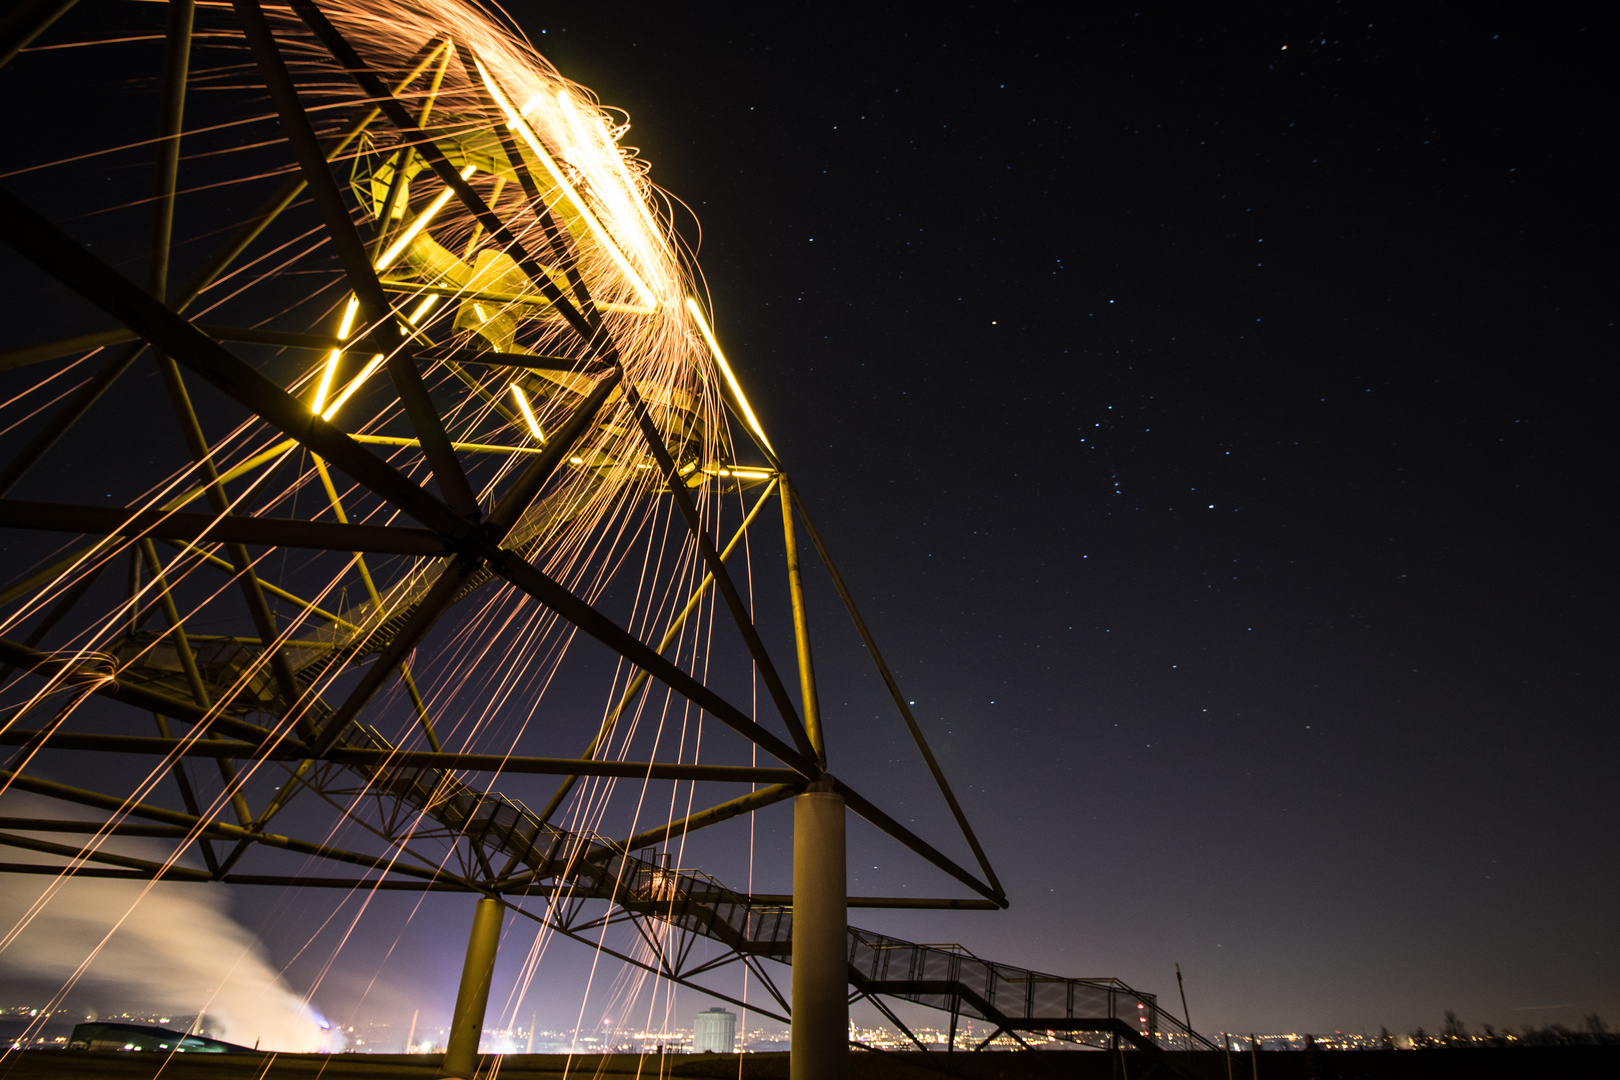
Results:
1479 1064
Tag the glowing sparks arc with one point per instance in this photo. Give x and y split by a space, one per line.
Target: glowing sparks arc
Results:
521 126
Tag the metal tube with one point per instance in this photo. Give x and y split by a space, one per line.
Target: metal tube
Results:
46 666
467 1022
744 804
640 680
373 88
214 529
351 252
26 22
899 698
820 1046
362 757
722 580
171 112
376 600
801 629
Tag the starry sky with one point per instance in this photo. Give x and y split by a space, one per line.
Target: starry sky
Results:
1209 415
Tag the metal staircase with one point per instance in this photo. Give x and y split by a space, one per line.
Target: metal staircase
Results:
574 868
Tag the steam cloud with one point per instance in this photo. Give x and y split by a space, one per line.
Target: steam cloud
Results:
177 953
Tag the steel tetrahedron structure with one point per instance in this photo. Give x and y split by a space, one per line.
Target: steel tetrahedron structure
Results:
444 484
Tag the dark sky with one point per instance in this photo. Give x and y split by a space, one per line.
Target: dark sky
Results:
1212 415
1212 420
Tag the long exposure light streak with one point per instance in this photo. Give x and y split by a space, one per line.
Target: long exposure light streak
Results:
725 369
528 413
521 125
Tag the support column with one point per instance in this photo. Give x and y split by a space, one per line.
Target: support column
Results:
467 1022
820 1049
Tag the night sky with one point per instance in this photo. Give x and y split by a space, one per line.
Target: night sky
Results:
1212 419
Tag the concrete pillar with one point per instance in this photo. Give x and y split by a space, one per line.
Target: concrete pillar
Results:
820 1049
467 1022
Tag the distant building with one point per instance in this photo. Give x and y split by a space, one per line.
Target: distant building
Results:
714 1031
141 1037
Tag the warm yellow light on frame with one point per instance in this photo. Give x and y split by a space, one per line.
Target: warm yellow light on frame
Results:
354 384
345 325
725 369
522 127
403 241
528 413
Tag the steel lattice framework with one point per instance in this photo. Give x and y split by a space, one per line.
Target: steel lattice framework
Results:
498 378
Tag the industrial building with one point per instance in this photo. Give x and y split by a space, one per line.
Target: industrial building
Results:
714 1031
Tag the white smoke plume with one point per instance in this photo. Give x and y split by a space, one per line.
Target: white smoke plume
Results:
177 953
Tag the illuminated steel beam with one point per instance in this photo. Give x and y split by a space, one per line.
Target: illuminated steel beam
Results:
75 407
801 628
557 239
899 699
639 682
728 590
375 90
414 759
400 358
205 528
464 447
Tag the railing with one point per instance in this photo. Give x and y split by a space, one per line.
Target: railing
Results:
952 979
948 978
